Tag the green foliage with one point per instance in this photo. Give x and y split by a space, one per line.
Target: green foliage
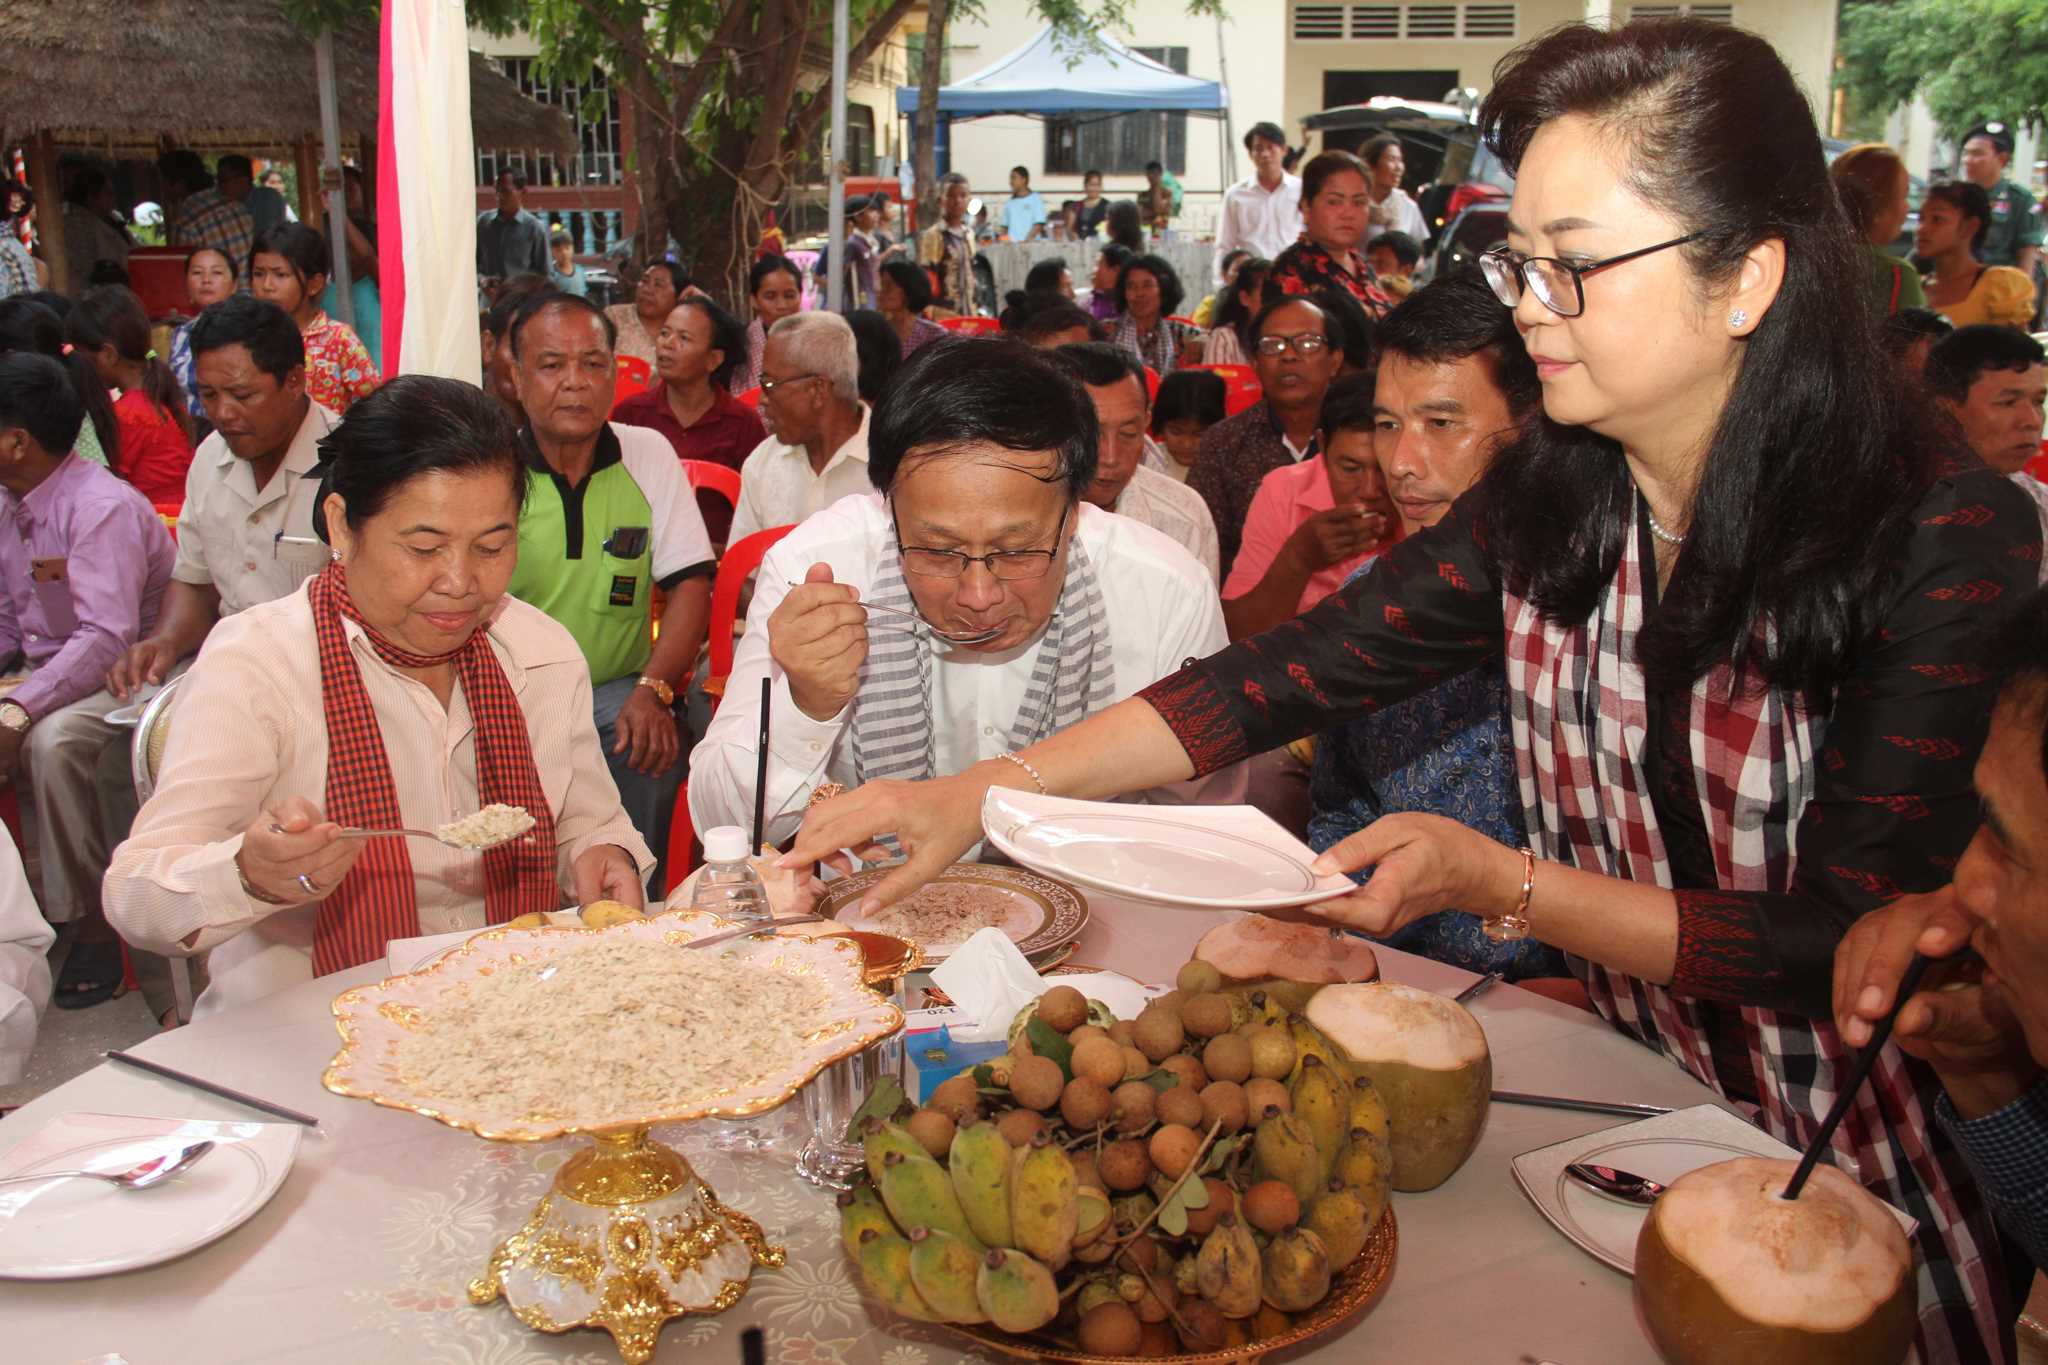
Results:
1971 60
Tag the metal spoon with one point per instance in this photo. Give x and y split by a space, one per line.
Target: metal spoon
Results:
969 638
154 1171
353 833
1615 1183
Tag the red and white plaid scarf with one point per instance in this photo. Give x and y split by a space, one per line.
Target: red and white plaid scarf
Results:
1580 720
378 901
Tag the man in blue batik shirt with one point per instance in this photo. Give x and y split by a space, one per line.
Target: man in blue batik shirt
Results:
1982 1026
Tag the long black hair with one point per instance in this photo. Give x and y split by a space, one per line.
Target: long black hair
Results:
29 322
1808 484
112 315
1230 307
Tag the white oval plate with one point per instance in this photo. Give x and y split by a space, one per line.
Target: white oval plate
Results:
1203 857
76 1229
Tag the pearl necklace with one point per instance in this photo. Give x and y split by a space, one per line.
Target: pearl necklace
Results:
1658 531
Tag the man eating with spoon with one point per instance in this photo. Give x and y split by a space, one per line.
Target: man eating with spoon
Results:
980 453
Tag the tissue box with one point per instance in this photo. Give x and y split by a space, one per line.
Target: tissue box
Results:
934 1054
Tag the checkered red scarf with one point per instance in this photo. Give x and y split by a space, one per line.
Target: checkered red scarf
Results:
377 901
1580 721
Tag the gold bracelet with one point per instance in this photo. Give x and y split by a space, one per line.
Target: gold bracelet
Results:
1042 790
1514 925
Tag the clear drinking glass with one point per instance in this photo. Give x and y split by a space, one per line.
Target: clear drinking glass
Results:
829 1102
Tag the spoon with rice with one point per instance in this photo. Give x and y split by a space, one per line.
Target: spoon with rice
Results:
486 829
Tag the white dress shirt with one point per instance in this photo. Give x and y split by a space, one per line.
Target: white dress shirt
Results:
248 732
228 530
1162 610
25 939
1175 510
778 487
1262 221
1406 215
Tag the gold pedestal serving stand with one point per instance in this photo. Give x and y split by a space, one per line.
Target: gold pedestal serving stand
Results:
627 1239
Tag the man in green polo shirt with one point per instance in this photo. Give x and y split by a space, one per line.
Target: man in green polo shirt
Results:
609 517
2013 237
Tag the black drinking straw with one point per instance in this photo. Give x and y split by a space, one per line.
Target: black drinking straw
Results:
761 772
1908 985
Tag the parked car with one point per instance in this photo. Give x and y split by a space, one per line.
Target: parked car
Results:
1477 229
1449 168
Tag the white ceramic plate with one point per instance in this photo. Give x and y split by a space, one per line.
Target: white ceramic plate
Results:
75 1229
1662 1148
1203 857
1042 914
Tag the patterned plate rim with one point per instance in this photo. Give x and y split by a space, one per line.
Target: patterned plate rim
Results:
346 1073
1066 909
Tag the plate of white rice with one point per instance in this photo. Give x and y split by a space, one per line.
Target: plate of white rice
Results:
535 1034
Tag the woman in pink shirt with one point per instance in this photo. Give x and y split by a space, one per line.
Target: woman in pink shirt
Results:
1312 524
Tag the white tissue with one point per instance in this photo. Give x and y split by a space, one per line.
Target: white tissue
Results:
990 981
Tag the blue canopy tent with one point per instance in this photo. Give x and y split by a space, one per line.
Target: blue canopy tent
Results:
1045 78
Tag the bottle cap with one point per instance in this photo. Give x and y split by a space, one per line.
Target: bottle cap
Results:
725 844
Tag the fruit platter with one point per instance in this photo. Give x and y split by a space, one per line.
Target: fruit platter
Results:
1206 1181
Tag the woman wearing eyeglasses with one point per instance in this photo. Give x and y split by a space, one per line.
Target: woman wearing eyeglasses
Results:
1336 210
1734 579
978 530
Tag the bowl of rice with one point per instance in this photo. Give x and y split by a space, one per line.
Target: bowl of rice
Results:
535 1034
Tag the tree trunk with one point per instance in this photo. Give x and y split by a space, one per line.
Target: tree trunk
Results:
928 112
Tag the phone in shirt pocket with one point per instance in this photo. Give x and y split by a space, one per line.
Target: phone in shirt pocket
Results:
626 554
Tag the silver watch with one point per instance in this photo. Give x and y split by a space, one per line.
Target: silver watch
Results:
15 717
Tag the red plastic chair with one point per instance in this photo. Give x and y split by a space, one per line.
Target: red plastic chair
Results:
2038 466
635 376
1151 385
740 561
751 397
974 327
742 557
720 479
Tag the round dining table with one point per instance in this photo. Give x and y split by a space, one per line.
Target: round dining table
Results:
366 1251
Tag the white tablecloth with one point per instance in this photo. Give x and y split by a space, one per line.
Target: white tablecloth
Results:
365 1253
1012 261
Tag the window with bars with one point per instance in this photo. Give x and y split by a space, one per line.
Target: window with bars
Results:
1330 23
599 159
1121 144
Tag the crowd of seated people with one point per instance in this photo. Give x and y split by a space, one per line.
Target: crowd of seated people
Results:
1437 574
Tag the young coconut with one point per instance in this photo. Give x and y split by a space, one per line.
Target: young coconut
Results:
1727 1270
1290 962
1427 1056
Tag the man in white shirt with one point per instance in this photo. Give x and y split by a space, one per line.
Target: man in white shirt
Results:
817 447
1126 480
25 939
982 453
1261 213
245 536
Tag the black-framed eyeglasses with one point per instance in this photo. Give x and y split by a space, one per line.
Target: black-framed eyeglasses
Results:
1011 566
769 386
1558 285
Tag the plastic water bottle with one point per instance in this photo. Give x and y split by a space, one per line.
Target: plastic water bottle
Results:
728 885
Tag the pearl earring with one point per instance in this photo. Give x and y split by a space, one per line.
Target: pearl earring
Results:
334 556
1738 318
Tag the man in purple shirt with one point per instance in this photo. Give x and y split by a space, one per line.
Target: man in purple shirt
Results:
84 561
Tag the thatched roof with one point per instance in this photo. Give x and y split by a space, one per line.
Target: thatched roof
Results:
134 72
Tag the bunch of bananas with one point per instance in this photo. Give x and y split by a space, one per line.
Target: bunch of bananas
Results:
1192 1205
